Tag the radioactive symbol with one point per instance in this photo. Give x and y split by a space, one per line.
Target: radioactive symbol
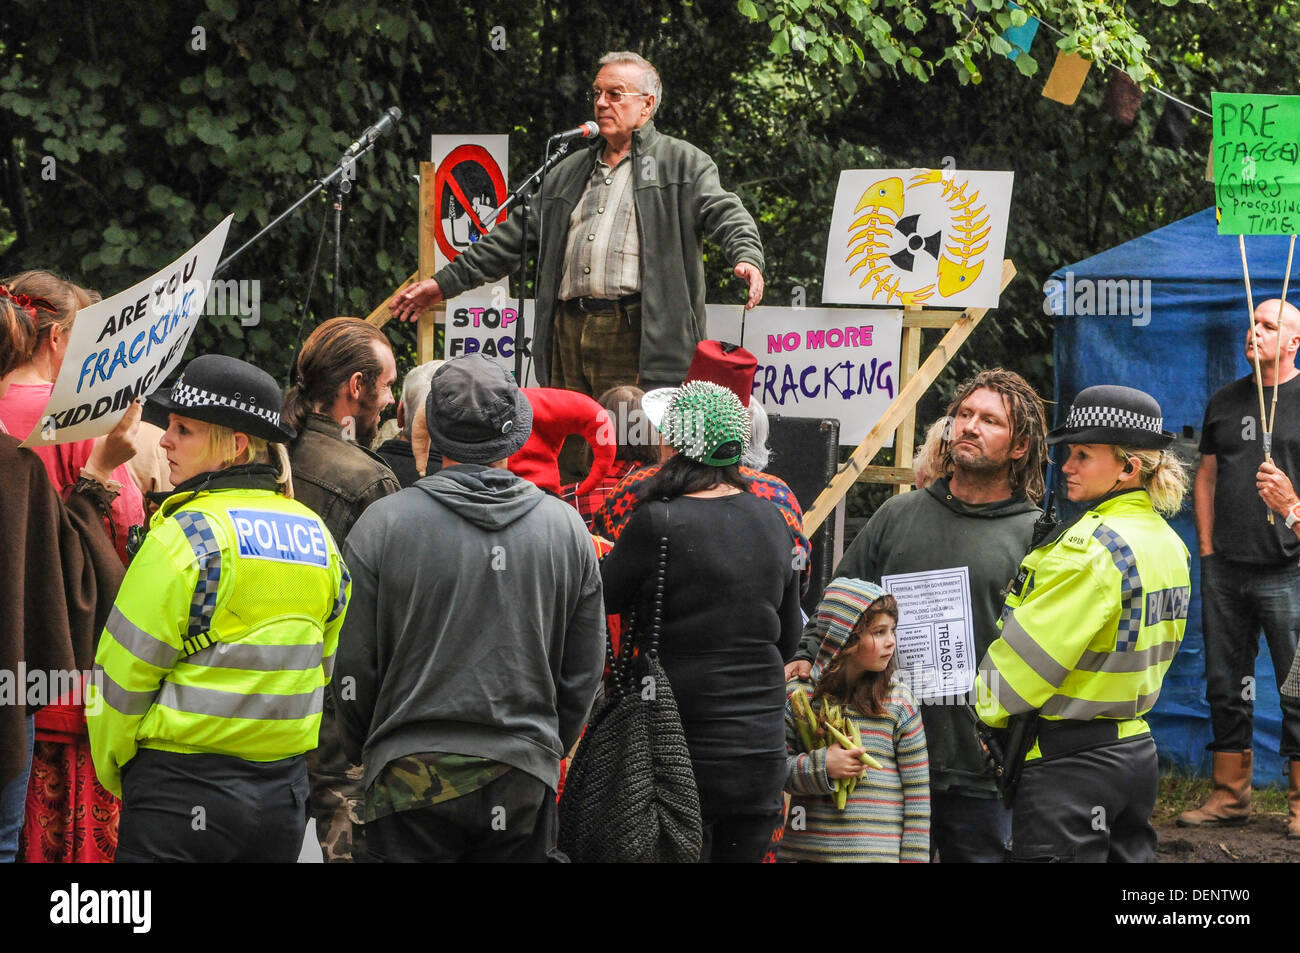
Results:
905 258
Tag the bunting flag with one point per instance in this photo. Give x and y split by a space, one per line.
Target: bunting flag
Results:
1171 129
1021 38
1122 99
1123 96
1066 79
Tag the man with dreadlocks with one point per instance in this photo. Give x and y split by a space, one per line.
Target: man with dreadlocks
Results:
979 514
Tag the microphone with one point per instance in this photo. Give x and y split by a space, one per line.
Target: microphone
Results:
390 119
585 131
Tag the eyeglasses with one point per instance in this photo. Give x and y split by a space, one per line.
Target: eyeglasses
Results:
614 96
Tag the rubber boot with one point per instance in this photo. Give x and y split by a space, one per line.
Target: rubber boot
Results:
1293 802
1229 802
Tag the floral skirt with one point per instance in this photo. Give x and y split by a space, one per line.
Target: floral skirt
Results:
70 818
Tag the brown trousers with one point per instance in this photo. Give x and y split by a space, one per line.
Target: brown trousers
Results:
592 351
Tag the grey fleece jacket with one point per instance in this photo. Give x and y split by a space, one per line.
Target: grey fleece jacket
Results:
679 202
476 625
932 529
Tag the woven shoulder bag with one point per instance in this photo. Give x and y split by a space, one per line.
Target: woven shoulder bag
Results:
630 794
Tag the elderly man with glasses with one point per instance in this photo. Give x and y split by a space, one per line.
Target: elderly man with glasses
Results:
620 297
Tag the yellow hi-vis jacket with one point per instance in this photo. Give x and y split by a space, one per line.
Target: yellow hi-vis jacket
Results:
222 637
1092 621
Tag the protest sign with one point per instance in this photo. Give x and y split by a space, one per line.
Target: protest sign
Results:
485 323
917 237
1256 162
936 640
124 346
469 183
819 362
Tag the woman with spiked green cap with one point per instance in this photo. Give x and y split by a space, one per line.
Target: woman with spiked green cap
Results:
729 613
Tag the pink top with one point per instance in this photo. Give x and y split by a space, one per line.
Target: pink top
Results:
20 413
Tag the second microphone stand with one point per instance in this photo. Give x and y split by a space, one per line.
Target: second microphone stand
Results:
522 195
340 180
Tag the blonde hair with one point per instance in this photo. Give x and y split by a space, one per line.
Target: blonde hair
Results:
927 464
1161 474
221 444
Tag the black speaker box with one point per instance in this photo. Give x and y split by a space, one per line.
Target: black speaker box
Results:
805 454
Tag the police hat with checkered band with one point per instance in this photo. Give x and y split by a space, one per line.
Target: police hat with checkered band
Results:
1109 413
229 392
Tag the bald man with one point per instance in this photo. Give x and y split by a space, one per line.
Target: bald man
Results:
1250 577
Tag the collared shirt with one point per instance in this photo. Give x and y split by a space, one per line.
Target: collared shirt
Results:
602 258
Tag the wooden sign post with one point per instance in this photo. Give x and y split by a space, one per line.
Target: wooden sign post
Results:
902 409
428 264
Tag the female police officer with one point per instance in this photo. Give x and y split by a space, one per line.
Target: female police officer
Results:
1091 624
211 669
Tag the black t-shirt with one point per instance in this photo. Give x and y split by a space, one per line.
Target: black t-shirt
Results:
730 620
1232 432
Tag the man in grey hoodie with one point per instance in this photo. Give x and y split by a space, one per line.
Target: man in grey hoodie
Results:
475 642
979 514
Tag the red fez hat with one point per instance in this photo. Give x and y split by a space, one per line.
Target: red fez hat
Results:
727 364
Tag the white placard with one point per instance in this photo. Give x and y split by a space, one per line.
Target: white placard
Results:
483 322
936 638
122 347
819 362
469 182
931 237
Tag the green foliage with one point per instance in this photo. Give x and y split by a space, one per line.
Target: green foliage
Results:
163 118
154 141
826 40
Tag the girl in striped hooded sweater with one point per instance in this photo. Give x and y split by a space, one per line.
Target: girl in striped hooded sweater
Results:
887 816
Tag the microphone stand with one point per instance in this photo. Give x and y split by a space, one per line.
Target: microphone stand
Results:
342 186
341 180
522 195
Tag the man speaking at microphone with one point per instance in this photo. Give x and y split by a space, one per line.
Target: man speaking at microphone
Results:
620 297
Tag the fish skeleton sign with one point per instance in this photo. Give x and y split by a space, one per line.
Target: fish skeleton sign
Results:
917 237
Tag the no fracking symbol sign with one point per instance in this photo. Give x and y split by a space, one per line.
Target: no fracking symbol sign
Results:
467 187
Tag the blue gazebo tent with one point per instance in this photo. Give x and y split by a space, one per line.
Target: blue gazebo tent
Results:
1167 312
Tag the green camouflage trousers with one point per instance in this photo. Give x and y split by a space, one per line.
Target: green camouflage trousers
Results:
336 792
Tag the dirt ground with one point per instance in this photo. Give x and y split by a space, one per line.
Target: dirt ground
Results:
1263 840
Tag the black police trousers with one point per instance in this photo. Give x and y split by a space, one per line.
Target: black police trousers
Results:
211 808
1092 806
